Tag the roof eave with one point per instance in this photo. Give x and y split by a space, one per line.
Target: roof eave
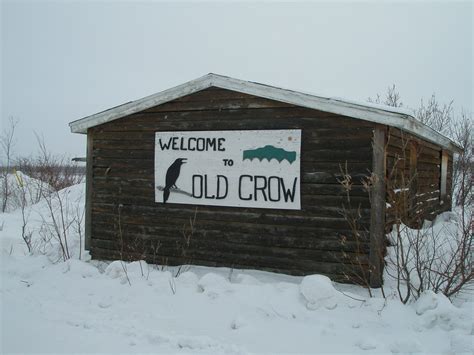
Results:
395 119
81 125
402 121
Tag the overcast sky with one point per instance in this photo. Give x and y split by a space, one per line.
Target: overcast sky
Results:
62 61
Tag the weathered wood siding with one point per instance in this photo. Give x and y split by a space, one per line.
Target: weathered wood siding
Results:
413 179
126 221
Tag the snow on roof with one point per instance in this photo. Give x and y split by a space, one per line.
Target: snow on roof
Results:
386 115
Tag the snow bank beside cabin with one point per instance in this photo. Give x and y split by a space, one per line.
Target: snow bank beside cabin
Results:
441 247
51 307
61 211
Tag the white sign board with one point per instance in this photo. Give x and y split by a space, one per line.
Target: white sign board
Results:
259 169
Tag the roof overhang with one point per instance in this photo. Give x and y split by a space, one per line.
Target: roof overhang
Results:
375 113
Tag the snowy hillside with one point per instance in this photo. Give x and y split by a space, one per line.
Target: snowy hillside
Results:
87 306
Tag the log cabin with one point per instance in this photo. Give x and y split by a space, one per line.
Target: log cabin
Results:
225 172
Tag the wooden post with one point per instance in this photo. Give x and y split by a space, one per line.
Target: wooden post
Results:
378 201
88 211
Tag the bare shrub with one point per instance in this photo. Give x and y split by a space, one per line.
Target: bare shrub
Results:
355 269
26 234
188 234
7 143
431 259
56 223
64 217
431 256
79 213
463 164
122 243
436 256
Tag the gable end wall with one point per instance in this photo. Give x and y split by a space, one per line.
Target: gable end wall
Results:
126 223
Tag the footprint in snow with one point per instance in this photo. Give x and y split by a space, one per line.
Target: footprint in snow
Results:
104 304
366 344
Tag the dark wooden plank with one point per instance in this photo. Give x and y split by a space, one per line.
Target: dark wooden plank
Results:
314 205
274 118
143 214
342 136
396 135
210 94
89 191
218 104
200 246
250 233
318 239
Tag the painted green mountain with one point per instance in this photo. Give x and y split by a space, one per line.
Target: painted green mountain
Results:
270 152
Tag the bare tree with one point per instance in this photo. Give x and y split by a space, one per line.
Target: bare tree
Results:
7 143
392 98
462 129
436 115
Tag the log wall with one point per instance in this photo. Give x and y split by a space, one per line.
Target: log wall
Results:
413 179
126 222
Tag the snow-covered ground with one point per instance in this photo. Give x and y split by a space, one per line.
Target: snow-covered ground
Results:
82 306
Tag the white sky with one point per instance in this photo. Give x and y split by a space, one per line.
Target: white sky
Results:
65 60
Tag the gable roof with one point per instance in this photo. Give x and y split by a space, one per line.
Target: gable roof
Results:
385 115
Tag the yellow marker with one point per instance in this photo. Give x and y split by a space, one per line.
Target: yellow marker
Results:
19 179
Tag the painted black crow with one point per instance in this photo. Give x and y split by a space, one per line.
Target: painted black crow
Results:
172 175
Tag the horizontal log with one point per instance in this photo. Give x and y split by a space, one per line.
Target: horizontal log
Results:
158 214
200 247
422 153
278 118
421 189
123 153
400 139
255 232
321 201
235 213
421 166
218 104
315 238
339 133
360 151
325 208
311 139
326 119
